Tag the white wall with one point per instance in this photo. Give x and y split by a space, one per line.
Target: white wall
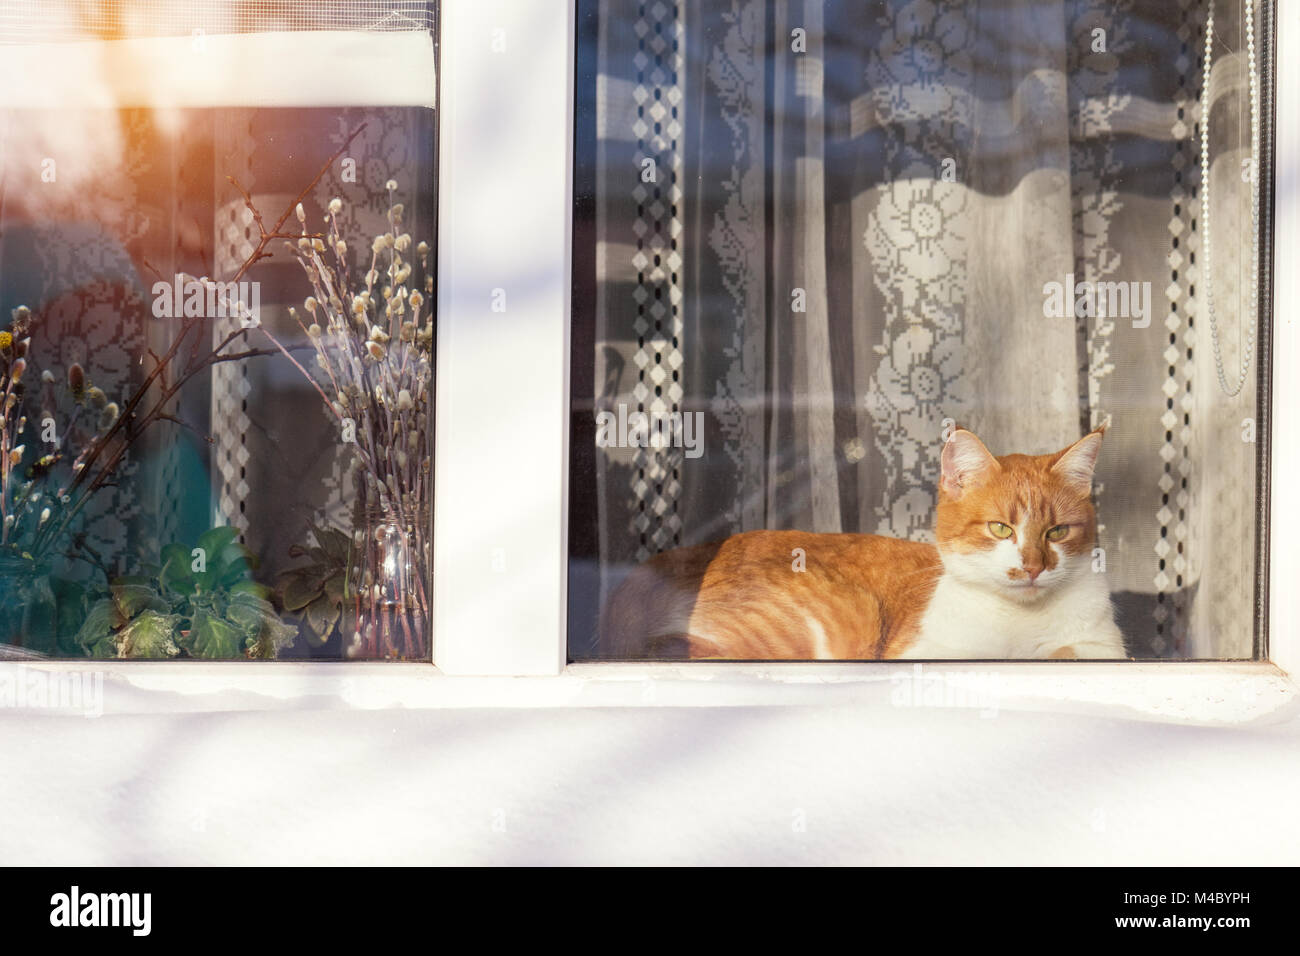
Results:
325 770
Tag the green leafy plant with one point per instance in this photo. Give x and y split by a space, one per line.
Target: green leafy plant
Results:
317 592
202 603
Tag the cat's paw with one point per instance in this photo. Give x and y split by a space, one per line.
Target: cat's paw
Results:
1066 653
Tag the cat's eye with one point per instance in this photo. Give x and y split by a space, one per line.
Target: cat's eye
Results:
1058 533
1000 530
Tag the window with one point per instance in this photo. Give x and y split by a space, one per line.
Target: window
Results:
826 254
217 285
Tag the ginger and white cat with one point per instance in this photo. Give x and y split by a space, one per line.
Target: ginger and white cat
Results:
1010 576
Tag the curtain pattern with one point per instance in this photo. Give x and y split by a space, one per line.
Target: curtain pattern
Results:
75 251
875 196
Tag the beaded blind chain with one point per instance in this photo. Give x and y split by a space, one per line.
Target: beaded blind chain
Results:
1253 306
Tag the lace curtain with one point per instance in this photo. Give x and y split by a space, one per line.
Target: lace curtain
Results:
858 211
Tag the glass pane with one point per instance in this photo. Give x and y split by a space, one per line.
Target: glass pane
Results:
216 282
917 329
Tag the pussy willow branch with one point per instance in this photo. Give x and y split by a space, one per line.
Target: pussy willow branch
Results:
189 325
127 416
288 211
393 475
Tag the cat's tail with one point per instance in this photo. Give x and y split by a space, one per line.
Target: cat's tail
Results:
642 620
619 633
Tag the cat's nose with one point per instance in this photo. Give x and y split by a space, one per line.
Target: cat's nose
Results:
1033 573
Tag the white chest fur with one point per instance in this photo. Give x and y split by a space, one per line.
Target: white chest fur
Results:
966 621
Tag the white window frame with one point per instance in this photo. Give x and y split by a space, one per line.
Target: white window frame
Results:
514 624
501 465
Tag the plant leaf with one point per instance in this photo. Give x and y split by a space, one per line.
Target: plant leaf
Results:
336 544
251 620
234 563
263 626
132 598
336 587
103 648
214 541
101 619
214 638
250 590
299 587
175 574
321 615
151 635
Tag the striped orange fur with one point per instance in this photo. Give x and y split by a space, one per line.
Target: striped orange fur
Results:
1018 530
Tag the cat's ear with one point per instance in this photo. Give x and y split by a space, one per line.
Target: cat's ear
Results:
1077 462
965 463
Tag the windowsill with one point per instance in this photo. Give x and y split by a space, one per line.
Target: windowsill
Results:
1199 693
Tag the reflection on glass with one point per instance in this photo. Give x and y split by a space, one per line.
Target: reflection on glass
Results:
216 291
